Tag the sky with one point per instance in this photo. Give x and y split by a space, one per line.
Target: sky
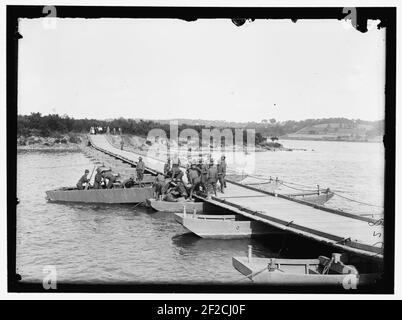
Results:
207 69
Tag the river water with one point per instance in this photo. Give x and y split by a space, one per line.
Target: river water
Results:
101 243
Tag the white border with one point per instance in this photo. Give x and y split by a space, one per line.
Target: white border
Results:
143 296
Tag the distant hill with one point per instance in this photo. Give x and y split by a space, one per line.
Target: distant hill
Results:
311 129
339 131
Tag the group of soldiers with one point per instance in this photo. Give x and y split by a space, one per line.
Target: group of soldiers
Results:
202 177
106 179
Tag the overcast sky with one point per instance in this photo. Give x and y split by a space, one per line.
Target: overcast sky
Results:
207 69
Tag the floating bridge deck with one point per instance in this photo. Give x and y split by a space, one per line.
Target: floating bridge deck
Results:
344 231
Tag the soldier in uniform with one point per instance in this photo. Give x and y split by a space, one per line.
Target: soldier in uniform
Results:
166 168
204 176
111 179
98 179
83 179
128 183
223 167
194 179
177 177
159 185
140 171
212 177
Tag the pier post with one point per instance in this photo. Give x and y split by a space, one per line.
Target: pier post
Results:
250 252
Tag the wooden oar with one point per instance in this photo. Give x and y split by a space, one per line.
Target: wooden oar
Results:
87 186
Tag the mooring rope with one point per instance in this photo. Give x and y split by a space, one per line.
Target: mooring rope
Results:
361 202
306 190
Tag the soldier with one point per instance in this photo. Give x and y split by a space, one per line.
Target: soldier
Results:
83 179
128 183
204 176
98 179
111 179
194 179
159 185
177 177
140 171
121 144
212 177
177 174
223 167
166 168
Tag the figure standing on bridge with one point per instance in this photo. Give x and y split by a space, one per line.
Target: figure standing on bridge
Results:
159 186
212 177
194 178
222 173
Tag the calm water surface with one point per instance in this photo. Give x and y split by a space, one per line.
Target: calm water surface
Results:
100 243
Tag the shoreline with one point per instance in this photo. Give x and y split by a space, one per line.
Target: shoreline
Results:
328 140
67 143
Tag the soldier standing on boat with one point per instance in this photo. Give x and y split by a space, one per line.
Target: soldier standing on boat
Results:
140 171
212 177
83 179
204 175
98 179
177 177
159 185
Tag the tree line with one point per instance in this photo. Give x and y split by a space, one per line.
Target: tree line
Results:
50 125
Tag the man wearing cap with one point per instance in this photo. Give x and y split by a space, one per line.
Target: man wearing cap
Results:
222 173
140 171
204 175
98 179
83 179
212 177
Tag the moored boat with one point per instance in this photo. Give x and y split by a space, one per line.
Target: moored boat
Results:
223 226
315 198
322 271
169 206
109 196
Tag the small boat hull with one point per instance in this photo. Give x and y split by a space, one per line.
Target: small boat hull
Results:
167 206
319 199
223 226
301 272
109 196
